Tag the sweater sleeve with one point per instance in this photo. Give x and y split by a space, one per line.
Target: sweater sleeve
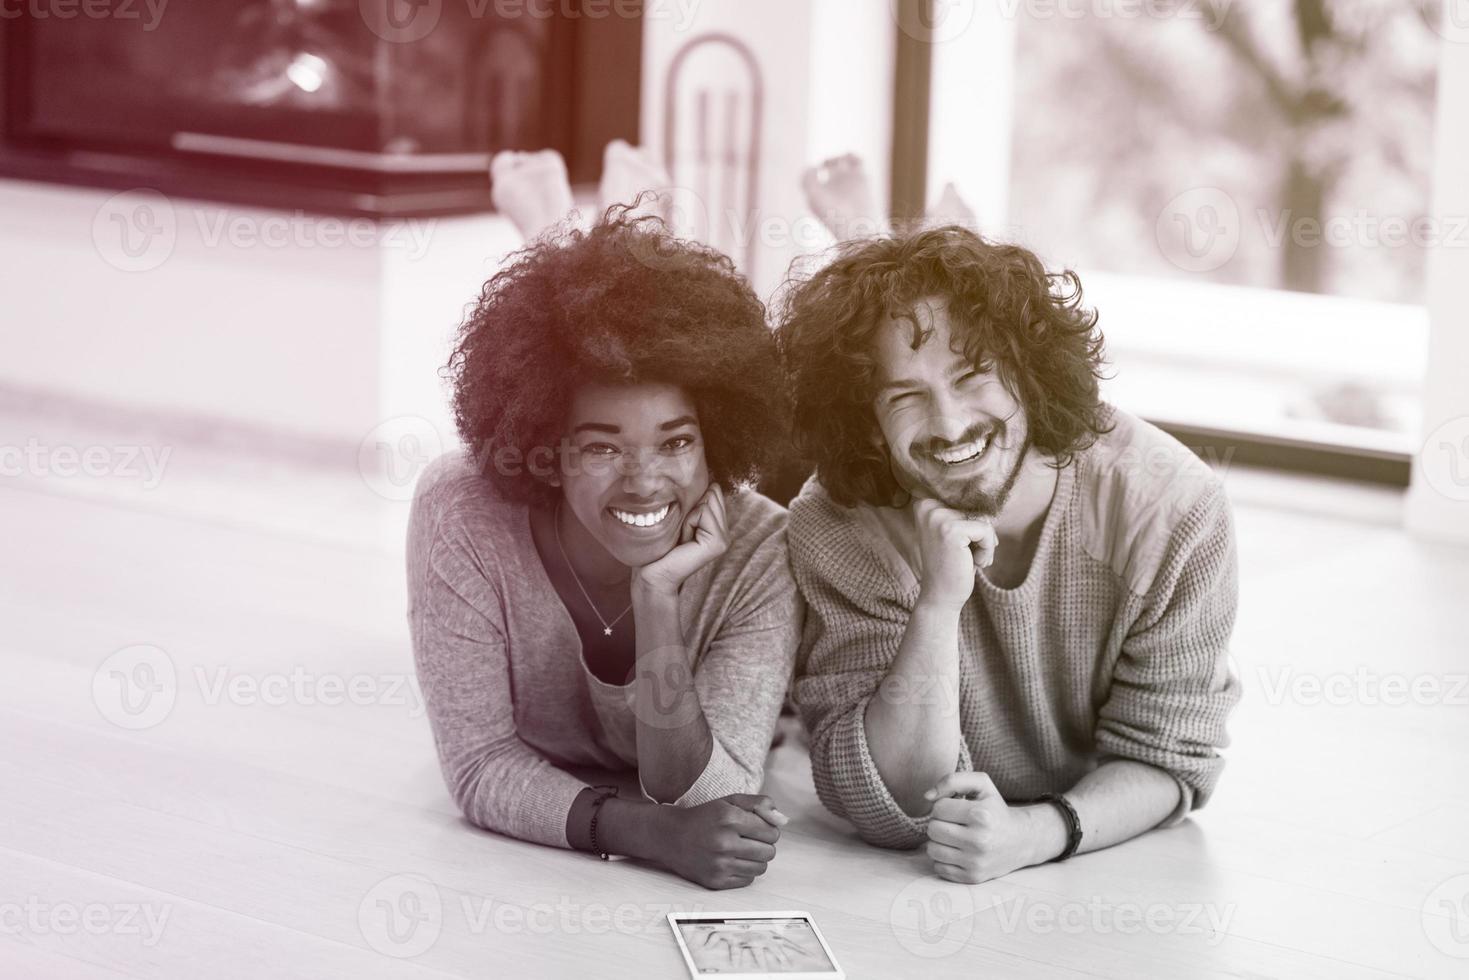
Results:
1172 689
499 782
855 622
743 676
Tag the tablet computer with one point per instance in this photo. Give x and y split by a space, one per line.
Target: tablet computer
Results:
754 946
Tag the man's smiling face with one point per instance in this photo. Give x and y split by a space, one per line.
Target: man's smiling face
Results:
953 432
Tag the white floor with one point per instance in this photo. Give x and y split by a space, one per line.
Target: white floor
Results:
275 810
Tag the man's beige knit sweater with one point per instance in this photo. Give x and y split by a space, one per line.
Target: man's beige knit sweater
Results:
1114 646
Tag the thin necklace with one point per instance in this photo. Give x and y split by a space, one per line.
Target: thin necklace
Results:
606 626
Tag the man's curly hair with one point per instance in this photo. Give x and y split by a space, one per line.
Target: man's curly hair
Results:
622 303
1012 316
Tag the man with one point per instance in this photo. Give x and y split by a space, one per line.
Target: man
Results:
1015 590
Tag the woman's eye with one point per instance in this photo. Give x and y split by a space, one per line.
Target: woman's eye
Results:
679 443
600 449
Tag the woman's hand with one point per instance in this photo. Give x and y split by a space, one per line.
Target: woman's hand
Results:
703 537
725 843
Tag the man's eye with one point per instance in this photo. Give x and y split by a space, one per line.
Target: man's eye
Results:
600 449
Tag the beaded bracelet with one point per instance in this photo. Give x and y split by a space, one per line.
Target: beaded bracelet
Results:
1073 822
604 793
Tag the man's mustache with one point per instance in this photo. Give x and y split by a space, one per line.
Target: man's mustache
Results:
930 447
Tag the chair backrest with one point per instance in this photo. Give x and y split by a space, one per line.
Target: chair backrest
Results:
713 106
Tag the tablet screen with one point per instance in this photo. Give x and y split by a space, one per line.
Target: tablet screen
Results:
719 945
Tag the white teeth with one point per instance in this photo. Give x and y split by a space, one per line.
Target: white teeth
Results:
964 453
642 520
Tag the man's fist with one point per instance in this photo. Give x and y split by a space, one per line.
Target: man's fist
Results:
954 548
975 839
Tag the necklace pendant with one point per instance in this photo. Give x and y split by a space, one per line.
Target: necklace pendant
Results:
607 630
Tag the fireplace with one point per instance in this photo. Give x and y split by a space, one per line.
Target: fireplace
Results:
361 107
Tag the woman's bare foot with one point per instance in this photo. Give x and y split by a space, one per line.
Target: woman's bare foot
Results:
951 209
628 171
531 189
839 193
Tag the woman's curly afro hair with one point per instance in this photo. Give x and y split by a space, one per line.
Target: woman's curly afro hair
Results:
623 303
1007 311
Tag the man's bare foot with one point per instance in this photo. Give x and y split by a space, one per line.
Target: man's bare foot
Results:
628 171
531 189
951 209
840 195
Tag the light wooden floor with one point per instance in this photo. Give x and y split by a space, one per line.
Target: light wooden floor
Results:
235 838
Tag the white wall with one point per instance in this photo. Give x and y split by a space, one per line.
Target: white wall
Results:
242 315
1438 503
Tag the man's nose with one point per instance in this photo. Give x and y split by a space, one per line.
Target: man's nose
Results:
947 420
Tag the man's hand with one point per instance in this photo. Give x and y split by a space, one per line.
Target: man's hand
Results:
725 843
975 840
702 538
954 549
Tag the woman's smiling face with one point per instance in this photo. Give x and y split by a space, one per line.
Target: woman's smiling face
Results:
635 467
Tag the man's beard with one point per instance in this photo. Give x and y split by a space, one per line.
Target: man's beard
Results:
975 500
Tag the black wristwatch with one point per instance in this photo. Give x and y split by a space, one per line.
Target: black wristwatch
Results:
1073 822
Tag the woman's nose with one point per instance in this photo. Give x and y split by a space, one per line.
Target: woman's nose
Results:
642 473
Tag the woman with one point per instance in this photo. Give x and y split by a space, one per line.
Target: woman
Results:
590 585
